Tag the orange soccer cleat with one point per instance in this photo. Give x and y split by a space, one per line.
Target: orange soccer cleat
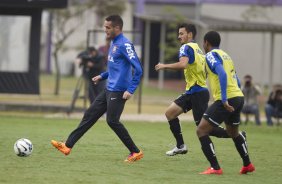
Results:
61 147
132 157
211 170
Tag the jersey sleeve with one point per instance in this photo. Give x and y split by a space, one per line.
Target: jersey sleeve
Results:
223 81
238 80
187 51
129 53
104 75
215 64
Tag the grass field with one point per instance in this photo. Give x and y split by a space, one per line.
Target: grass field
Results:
98 156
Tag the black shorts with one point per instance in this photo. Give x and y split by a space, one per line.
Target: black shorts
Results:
198 102
216 113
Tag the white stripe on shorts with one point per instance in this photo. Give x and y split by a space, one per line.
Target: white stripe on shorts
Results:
214 122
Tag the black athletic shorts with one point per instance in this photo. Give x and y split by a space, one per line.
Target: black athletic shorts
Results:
198 102
216 113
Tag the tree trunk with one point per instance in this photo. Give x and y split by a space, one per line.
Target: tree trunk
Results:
58 74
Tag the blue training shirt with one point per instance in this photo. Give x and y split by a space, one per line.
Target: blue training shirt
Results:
122 58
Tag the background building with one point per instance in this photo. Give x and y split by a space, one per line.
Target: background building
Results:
250 29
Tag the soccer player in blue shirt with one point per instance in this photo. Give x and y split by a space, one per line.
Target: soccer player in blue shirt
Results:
121 84
227 106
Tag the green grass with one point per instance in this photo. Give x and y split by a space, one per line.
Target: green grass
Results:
98 156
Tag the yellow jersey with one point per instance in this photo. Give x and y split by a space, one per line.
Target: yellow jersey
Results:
218 57
195 71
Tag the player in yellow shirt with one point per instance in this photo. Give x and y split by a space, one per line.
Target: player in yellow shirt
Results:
196 96
227 106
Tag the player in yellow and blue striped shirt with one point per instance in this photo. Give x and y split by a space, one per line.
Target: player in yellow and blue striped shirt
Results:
229 100
196 96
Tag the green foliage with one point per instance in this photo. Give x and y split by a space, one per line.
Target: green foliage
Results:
66 21
172 45
98 156
62 18
109 7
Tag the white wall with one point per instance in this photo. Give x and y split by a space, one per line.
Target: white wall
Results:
250 51
265 14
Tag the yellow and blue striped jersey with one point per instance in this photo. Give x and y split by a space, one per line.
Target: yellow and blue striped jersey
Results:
222 76
195 71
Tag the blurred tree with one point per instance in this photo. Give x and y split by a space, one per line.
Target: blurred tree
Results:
63 29
66 21
109 7
171 46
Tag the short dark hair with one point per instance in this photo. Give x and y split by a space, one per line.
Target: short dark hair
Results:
116 20
189 28
213 38
91 49
248 76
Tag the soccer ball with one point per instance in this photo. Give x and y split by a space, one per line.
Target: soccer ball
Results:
23 147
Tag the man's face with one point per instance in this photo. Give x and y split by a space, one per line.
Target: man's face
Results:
93 53
205 45
109 30
248 81
183 36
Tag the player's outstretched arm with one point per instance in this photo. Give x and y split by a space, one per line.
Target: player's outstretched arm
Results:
180 65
